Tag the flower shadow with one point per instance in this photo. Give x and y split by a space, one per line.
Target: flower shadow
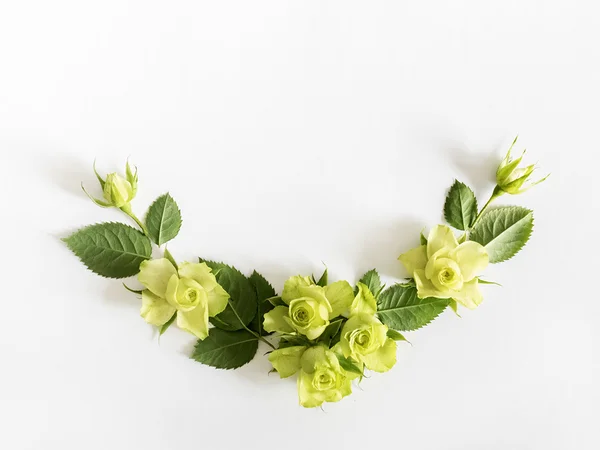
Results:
383 246
67 171
477 168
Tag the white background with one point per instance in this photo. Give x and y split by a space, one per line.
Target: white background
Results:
290 133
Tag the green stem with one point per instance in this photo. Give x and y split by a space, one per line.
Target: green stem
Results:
256 335
497 193
127 210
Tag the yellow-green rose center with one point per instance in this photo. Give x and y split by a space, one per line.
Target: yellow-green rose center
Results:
192 295
324 380
302 314
307 316
446 275
361 341
189 294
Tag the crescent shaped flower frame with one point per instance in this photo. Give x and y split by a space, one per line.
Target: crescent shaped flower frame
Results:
326 333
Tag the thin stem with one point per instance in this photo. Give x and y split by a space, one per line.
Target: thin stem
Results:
497 193
139 222
256 335
127 210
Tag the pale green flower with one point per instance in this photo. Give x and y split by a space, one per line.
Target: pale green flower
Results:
510 178
192 291
309 308
287 361
364 302
321 378
445 269
364 339
309 314
117 191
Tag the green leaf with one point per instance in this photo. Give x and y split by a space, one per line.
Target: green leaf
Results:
454 307
100 180
400 308
166 326
242 296
503 231
422 239
169 256
219 323
163 219
276 301
100 203
460 209
264 291
393 334
226 349
214 265
481 281
134 291
348 365
332 329
323 280
372 280
336 337
112 250
293 341
410 282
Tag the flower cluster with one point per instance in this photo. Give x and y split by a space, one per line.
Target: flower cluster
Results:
328 334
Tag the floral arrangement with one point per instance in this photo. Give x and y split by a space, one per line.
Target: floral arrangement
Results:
326 333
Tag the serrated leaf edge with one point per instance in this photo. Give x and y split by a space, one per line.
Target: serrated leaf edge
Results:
530 211
414 306
426 323
167 196
254 339
446 205
66 241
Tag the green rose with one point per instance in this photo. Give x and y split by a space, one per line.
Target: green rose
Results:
445 269
287 361
510 178
117 191
321 377
192 291
364 339
309 308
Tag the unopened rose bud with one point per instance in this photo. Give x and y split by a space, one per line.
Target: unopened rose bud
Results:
510 178
117 191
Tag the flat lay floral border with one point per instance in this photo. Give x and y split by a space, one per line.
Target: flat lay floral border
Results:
328 333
